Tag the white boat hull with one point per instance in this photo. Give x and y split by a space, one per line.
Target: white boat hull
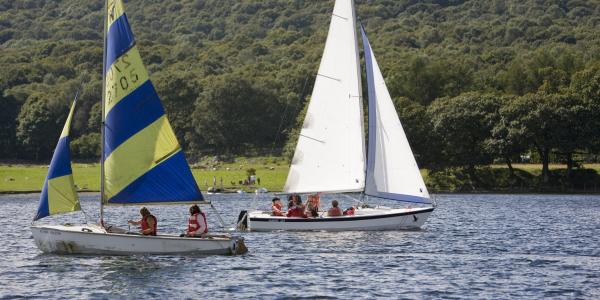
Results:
367 219
93 239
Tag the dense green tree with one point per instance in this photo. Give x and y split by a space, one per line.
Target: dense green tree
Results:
39 127
463 124
506 141
8 116
233 113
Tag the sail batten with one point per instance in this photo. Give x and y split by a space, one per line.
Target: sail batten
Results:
142 158
392 170
329 155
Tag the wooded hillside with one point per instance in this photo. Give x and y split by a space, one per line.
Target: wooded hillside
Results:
473 81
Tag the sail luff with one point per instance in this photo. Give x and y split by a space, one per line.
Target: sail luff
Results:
143 160
392 170
329 154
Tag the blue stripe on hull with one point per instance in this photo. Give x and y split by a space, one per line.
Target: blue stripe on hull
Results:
61 160
170 181
133 113
119 39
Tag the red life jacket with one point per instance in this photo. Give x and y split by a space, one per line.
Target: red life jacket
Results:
194 224
334 212
146 226
349 212
296 212
276 210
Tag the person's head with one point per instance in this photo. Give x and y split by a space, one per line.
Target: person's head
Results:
334 203
194 209
144 212
298 201
276 200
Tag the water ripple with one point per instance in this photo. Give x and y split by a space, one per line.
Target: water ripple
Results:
473 246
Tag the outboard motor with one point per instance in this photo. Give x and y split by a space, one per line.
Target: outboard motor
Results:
242 221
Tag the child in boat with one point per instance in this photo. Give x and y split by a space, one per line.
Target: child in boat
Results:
312 205
148 222
197 225
276 208
334 211
297 210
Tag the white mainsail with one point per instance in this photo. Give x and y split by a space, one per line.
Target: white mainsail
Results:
392 171
330 154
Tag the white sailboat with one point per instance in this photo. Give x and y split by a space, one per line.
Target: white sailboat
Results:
142 164
330 154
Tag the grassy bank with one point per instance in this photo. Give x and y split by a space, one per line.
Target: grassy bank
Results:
272 173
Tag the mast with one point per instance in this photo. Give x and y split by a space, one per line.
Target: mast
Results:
105 12
360 95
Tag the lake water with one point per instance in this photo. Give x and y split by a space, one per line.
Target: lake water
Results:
473 246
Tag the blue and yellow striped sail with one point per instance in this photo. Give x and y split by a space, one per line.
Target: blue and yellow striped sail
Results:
59 194
143 160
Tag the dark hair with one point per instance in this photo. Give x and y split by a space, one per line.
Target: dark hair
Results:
276 199
144 211
298 201
194 209
334 203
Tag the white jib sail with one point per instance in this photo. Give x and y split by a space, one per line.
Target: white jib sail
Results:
330 154
392 171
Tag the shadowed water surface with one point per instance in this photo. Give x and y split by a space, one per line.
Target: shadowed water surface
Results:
473 246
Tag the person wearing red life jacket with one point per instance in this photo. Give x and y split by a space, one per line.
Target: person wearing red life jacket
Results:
276 208
297 210
334 211
148 222
197 224
349 211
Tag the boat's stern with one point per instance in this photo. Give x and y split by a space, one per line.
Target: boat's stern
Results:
238 246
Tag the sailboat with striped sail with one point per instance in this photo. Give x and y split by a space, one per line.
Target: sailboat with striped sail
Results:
142 162
331 156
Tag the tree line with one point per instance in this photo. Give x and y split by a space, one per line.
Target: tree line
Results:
474 82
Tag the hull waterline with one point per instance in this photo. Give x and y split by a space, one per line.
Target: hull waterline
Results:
94 240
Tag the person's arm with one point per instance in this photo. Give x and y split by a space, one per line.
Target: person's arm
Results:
201 225
132 222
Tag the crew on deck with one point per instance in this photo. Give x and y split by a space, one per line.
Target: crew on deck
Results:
148 222
277 208
312 205
197 225
334 211
298 209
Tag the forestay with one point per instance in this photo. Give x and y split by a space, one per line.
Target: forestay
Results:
59 194
329 156
392 171
143 160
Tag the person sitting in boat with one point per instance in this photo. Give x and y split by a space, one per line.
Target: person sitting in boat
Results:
349 211
197 225
148 222
297 210
312 205
334 211
276 208
290 203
